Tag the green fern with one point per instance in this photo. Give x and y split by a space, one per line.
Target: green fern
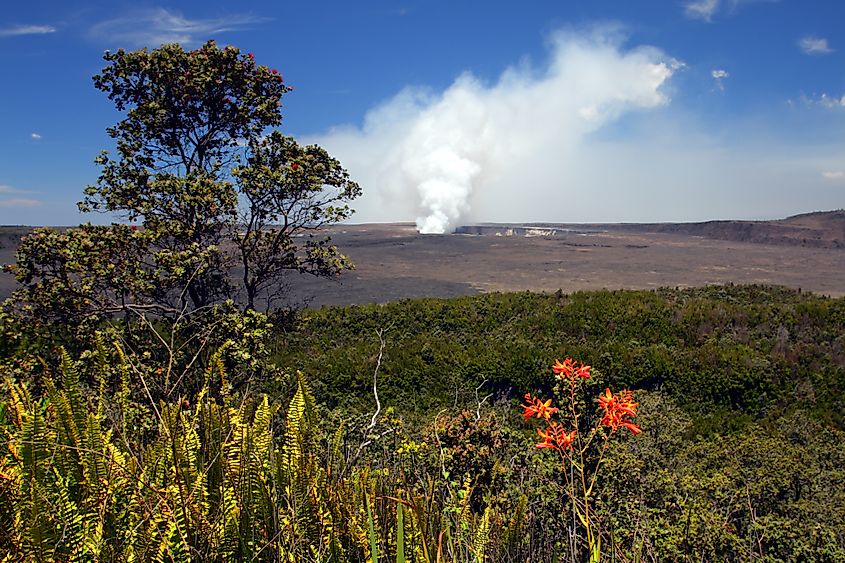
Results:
481 539
214 484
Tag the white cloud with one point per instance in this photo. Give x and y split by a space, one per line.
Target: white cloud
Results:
814 45
35 136
834 175
150 28
701 9
589 136
832 102
26 30
17 199
829 102
443 158
719 76
19 202
706 9
825 101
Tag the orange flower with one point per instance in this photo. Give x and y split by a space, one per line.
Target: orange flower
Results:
627 404
569 370
548 439
583 372
631 426
617 408
556 437
565 440
607 400
564 369
538 408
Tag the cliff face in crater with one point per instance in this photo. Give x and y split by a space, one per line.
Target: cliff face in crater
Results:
824 229
816 230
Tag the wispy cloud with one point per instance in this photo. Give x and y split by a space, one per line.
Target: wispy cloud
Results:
719 76
14 30
159 25
13 197
832 101
706 9
834 175
35 136
825 101
811 45
19 202
701 9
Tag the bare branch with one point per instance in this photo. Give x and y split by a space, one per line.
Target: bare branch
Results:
374 420
481 402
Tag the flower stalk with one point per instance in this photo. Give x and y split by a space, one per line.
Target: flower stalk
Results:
575 449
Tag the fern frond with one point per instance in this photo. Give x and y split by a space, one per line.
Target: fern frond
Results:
482 537
101 369
292 453
70 384
337 461
19 402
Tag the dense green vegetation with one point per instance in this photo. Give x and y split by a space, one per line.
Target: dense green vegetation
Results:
725 354
742 454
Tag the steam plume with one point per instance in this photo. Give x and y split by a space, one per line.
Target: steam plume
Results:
439 157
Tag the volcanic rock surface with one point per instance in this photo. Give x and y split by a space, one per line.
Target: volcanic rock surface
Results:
393 261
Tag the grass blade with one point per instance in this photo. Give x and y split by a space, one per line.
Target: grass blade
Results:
400 534
371 531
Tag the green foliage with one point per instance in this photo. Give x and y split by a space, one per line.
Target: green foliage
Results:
211 188
740 457
772 492
285 187
720 351
187 108
215 484
100 267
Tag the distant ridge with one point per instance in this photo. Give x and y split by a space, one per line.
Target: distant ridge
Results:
819 229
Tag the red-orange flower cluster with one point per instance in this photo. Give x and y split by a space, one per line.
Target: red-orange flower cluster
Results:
569 370
556 437
538 408
617 408
575 447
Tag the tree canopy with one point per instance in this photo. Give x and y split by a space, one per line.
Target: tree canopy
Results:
214 197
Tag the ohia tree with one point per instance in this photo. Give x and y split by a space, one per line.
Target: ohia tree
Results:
219 201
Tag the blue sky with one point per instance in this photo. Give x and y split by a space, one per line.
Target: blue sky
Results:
451 112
